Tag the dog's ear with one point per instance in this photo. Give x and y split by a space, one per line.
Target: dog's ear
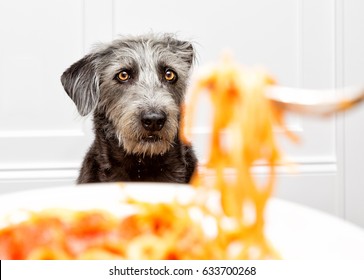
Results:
186 51
81 82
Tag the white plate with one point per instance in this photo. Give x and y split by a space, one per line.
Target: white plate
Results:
297 232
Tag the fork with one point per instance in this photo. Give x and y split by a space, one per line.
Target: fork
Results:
315 102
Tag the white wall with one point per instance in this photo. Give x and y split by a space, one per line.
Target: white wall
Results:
304 43
352 72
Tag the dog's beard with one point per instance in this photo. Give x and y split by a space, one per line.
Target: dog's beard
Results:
146 146
135 140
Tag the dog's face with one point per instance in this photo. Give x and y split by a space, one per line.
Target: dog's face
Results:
139 83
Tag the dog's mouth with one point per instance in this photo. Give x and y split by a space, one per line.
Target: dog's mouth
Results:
151 138
147 144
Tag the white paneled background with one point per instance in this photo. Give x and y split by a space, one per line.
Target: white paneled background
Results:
304 43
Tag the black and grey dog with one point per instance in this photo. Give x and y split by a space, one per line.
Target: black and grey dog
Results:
135 87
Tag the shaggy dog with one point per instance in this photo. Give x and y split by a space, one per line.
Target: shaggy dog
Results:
135 87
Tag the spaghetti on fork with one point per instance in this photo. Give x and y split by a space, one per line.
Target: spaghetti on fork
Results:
240 106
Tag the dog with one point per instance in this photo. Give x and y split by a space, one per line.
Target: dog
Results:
135 87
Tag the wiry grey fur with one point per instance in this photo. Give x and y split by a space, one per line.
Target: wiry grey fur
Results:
123 149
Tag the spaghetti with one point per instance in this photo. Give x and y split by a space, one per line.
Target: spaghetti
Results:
240 107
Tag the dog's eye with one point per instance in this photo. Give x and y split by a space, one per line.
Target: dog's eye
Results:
123 76
170 75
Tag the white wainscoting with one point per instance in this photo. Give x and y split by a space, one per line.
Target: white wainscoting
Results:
304 43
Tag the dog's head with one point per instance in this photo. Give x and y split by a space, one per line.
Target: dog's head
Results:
139 83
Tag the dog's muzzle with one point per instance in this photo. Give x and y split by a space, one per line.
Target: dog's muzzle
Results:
153 121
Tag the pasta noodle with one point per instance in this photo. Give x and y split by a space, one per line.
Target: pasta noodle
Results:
225 218
240 106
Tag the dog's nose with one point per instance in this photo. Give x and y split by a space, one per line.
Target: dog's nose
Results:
153 121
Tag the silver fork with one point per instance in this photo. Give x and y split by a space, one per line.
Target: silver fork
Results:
315 102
